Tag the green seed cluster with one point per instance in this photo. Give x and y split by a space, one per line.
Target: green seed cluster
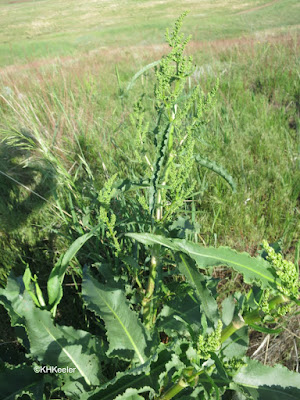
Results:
106 215
140 128
286 272
179 173
173 68
264 304
210 343
234 364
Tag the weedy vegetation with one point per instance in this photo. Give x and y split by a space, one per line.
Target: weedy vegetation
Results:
153 323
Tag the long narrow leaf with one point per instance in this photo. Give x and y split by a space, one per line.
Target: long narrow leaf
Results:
141 72
218 169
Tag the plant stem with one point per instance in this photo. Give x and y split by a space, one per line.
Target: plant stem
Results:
249 318
175 389
147 303
236 324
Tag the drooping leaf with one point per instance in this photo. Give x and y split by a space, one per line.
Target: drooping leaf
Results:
264 329
253 269
218 169
22 379
197 281
54 284
63 346
124 330
263 382
140 72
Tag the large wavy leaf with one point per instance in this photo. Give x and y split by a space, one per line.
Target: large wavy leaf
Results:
63 346
253 269
125 332
21 380
264 383
51 344
218 169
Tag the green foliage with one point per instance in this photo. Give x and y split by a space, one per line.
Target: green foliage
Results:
54 284
104 198
153 327
198 282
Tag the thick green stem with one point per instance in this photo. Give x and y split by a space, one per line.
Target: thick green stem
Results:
236 324
147 300
175 389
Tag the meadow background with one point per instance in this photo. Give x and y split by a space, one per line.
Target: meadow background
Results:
64 71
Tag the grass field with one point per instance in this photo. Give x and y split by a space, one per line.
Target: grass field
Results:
35 29
64 70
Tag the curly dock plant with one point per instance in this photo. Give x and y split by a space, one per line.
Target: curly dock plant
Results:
154 326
